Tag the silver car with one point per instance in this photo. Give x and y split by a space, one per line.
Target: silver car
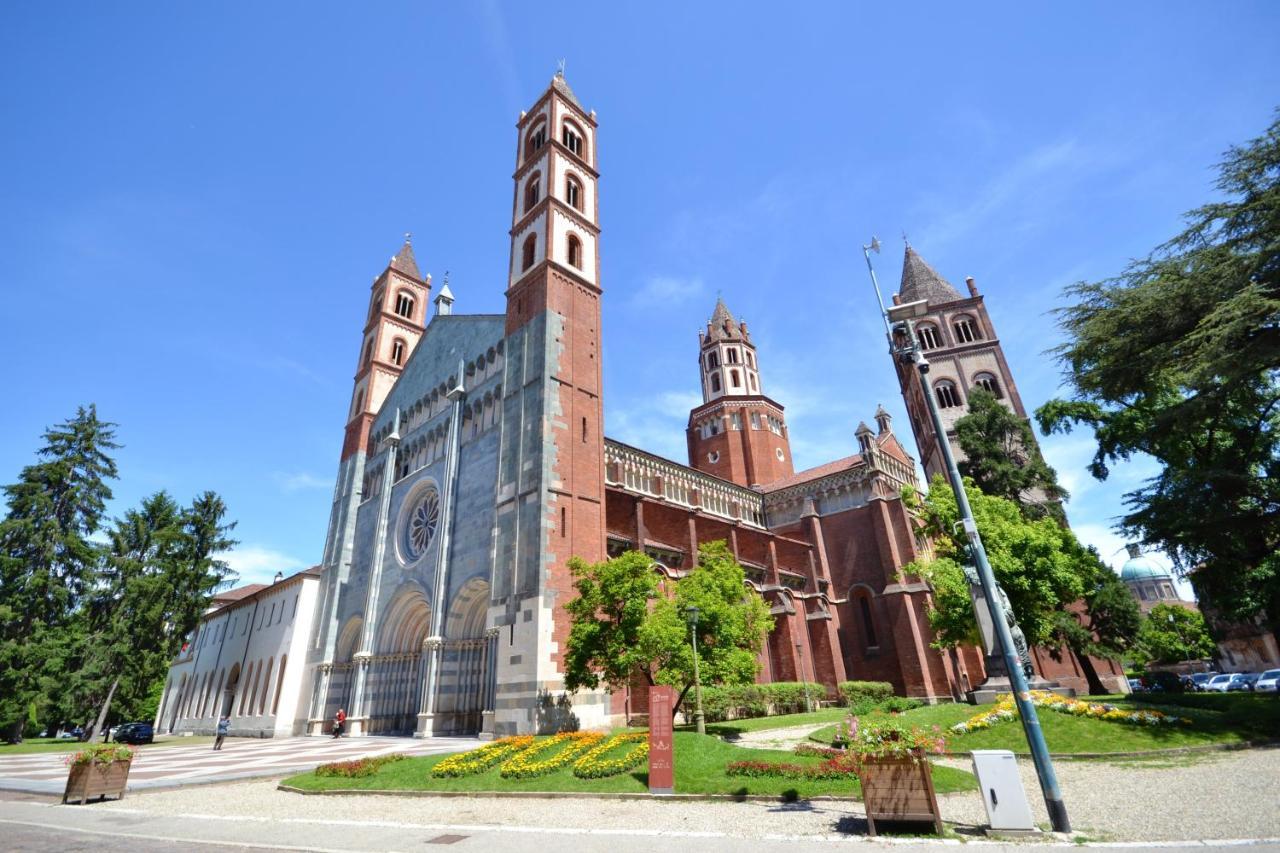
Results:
1266 682
1219 683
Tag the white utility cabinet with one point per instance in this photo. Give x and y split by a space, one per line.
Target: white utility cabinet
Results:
1002 791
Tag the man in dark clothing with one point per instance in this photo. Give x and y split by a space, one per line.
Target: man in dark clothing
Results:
224 726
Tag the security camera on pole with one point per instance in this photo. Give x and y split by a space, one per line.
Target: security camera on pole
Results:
900 329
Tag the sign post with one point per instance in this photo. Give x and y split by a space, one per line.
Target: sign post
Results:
661 741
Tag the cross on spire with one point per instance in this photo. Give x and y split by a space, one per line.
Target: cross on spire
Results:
560 68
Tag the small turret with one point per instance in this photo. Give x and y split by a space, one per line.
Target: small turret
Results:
884 422
864 435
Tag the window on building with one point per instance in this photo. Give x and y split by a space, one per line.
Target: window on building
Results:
573 192
735 420
755 420
368 352
751 361
752 377
404 305
966 330
375 304
713 360
536 140
715 382
948 395
531 192
927 334
989 382
275 705
868 626
397 352
735 379
530 250
266 687
575 252
733 356
572 139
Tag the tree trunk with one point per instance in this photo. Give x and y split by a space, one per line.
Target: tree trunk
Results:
1090 674
102 713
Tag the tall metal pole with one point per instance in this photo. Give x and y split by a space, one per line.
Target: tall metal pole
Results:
908 351
699 720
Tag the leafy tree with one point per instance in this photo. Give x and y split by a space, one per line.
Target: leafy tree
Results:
47 556
1171 633
1003 459
624 627
1178 357
1042 567
156 580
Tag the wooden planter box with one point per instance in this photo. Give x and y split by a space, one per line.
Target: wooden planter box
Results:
88 781
899 789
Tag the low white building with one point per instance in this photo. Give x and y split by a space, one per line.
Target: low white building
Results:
246 660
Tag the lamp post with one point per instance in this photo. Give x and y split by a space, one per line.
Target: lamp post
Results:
903 347
699 721
808 704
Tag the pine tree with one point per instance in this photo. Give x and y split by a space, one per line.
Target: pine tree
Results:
47 556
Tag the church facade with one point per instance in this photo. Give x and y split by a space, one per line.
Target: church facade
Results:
474 465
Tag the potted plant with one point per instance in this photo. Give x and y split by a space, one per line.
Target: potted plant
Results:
895 775
100 770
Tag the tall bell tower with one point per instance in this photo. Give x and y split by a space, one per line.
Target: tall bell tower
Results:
550 504
737 433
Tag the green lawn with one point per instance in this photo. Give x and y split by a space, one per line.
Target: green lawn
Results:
733 728
700 761
34 745
1215 719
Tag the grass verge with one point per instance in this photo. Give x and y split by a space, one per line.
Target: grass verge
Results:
1223 719
700 769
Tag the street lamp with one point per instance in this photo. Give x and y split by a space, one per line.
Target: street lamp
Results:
904 348
699 721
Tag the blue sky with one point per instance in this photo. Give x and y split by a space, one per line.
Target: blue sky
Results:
195 198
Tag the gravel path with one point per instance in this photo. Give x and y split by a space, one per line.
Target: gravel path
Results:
1227 795
777 738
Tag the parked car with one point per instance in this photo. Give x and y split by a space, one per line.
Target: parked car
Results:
1218 684
1242 681
134 733
1163 682
1267 682
1200 679
71 734
1135 685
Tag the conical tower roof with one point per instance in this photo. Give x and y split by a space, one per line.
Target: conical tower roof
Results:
404 262
561 85
722 325
921 281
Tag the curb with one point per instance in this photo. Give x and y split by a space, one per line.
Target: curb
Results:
1148 753
564 795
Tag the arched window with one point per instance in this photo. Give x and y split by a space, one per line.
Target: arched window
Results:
404 305
266 687
752 377
948 395
284 661
575 252
733 356
928 336
532 191
397 352
530 250
368 352
734 378
536 139
573 192
713 360
751 362
375 304
966 330
572 138
359 406
715 382
989 382
868 626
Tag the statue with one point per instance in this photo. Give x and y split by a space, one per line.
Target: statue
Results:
1019 639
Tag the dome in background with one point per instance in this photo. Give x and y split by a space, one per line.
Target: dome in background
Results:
1139 567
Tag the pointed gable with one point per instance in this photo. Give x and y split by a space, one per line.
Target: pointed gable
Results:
921 281
404 262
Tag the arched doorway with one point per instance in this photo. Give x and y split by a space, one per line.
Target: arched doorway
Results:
465 691
393 684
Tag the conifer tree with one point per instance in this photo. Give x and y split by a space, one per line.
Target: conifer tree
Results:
47 556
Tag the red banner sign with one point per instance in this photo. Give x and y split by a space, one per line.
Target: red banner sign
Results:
661 755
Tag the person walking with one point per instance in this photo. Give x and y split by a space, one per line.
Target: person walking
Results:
224 726
339 719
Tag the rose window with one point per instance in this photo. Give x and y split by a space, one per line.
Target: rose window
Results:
423 520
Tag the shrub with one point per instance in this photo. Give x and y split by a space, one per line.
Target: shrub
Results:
731 701
358 767
898 704
863 696
102 753
793 697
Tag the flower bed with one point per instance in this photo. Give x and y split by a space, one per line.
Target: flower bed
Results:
558 750
594 764
1004 711
480 760
355 768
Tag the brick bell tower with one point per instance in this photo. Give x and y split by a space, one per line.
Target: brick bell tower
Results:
392 328
737 433
550 504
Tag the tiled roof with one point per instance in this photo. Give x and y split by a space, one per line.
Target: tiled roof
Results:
722 325
239 592
405 262
921 281
562 86
815 473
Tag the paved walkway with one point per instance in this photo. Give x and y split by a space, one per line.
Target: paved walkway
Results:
239 758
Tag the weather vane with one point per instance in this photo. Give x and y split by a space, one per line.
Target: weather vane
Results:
408 236
905 240
560 68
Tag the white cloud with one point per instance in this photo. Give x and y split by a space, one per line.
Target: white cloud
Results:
655 423
258 563
664 290
300 481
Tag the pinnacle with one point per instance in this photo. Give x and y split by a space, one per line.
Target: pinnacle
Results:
862 429
562 86
921 281
722 325
404 262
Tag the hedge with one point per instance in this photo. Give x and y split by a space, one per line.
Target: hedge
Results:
863 696
740 701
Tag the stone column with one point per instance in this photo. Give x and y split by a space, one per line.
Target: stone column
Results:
432 652
319 700
358 720
489 681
